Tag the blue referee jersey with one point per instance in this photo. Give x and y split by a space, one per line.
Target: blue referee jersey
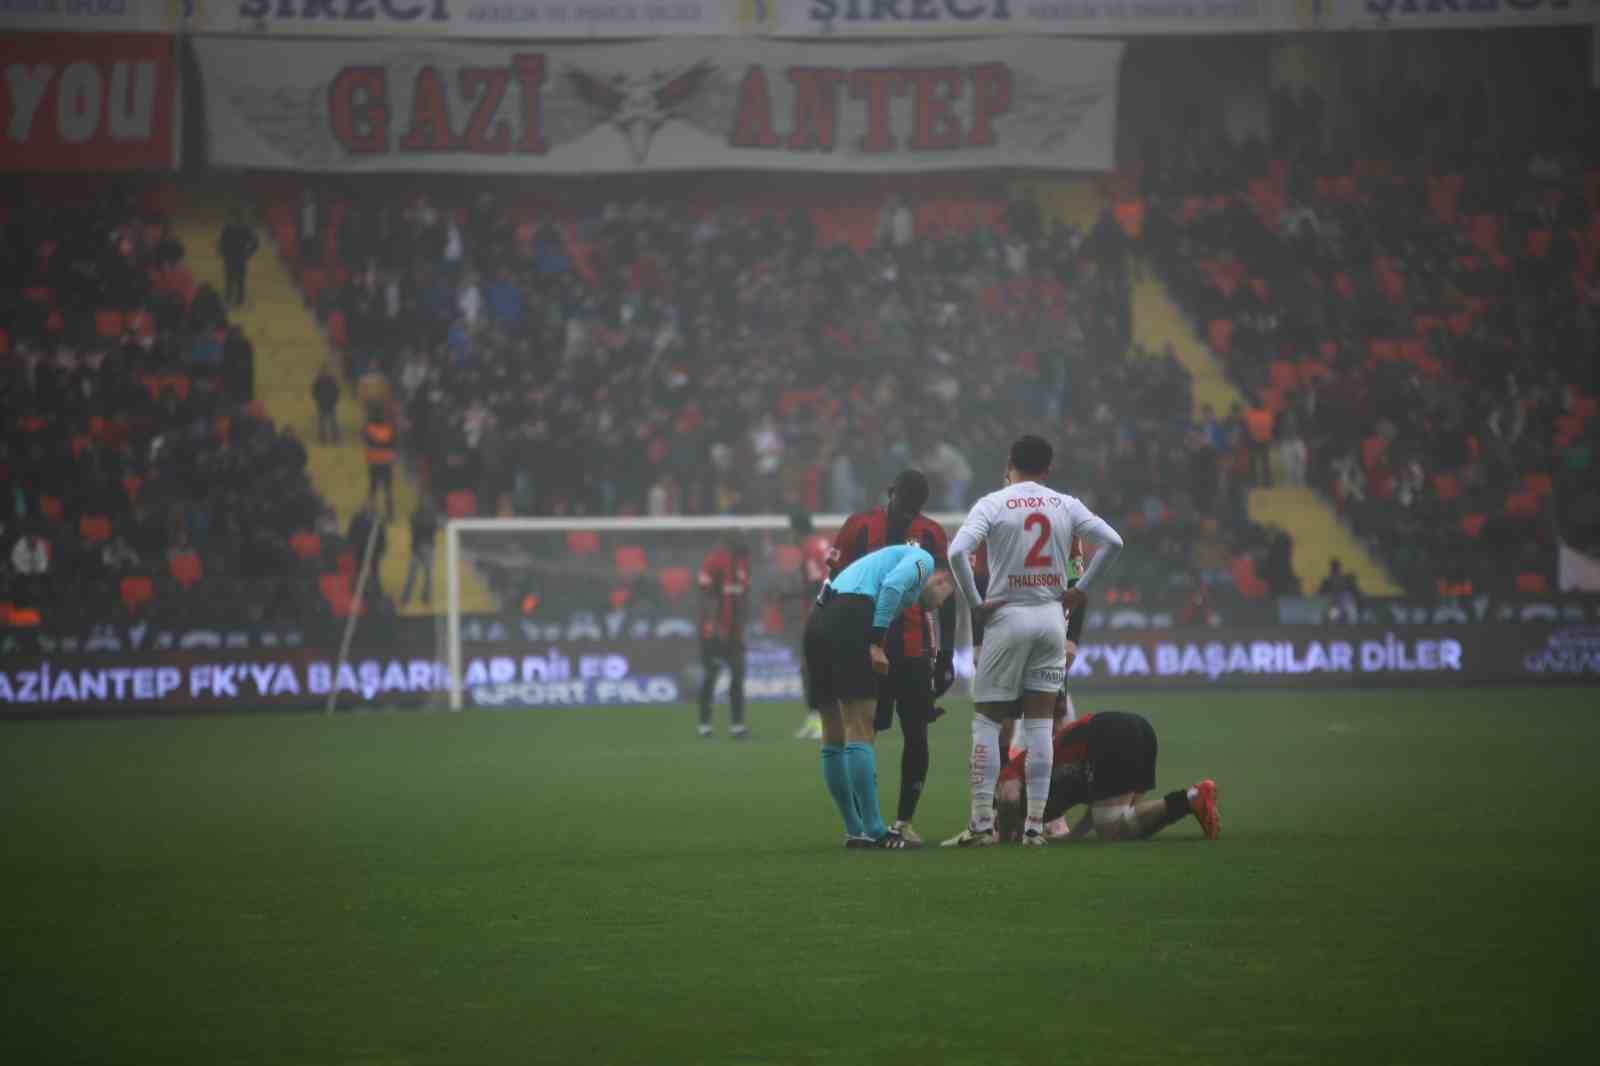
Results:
893 577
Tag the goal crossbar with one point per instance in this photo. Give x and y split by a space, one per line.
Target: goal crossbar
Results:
455 527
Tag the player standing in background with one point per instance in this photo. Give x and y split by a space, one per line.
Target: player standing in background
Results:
815 551
921 659
1029 530
724 596
845 657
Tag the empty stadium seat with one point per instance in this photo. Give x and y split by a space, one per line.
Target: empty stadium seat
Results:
136 592
185 568
108 323
306 545
1522 504
337 592
630 561
675 581
94 528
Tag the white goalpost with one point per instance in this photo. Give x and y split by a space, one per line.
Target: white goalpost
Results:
620 577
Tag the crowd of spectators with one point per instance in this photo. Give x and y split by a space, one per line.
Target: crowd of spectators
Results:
136 471
736 352
1417 339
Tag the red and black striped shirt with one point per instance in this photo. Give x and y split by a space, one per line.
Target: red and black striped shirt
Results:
724 585
912 635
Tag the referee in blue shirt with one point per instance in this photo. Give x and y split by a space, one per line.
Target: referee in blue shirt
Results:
844 659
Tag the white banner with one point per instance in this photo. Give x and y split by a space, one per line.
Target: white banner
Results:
1576 571
1456 14
528 19
925 18
92 16
660 105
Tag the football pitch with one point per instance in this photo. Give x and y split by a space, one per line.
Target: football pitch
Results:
1403 876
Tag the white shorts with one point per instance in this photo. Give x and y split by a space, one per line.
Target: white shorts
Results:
1024 650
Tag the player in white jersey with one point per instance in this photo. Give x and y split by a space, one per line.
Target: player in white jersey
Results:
1028 529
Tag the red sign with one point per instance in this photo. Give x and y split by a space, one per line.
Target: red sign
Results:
75 101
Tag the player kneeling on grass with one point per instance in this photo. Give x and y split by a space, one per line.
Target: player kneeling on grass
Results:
845 657
1107 761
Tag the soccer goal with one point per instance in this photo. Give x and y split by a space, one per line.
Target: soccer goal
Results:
557 611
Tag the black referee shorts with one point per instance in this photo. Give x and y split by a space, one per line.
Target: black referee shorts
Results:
837 666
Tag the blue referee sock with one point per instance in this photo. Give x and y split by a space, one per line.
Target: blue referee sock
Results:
861 763
838 782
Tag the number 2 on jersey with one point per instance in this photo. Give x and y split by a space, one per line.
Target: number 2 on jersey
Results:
1038 558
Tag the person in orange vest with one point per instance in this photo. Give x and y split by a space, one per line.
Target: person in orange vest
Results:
380 438
1258 424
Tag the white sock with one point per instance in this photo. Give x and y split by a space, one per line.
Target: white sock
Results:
1191 792
1041 756
985 770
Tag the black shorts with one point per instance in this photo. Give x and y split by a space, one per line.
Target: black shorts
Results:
837 666
907 690
1122 755
1119 756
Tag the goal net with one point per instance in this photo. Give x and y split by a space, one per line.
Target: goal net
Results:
560 612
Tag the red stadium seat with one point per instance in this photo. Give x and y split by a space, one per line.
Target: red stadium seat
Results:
131 485
1586 406
788 558
136 592
463 503
1532 585
185 568
1219 331
108 323
94 528
1522 504
1538 484
306 545
337 591
582 542
630 561
675 581
1446 487
51 507
1472 524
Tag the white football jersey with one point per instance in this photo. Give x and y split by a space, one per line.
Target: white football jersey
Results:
1029 530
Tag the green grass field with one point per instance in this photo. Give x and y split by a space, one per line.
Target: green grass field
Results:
1403 877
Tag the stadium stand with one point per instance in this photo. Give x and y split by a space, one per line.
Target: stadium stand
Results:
140 474
710 349
1421 335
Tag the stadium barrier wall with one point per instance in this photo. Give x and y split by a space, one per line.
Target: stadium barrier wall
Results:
604 670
